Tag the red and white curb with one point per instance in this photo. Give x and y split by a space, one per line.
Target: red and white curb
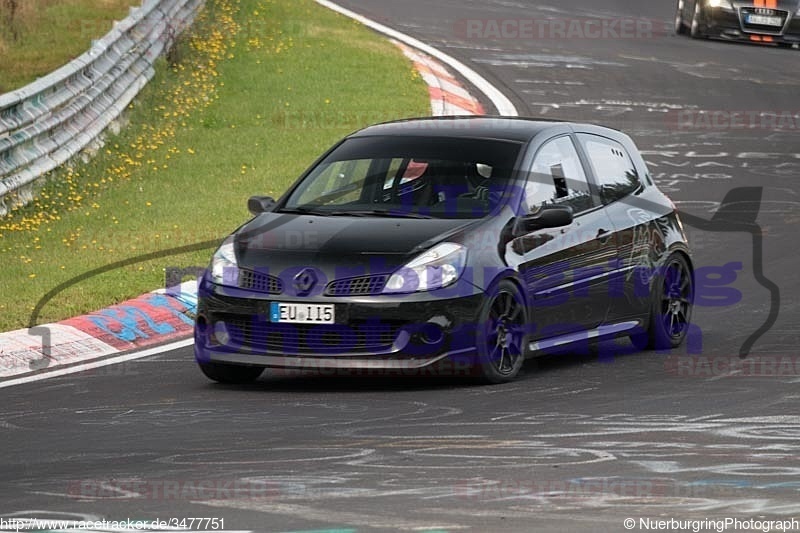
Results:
153 318
448 96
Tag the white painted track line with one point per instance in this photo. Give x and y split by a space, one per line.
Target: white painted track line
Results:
96 364
498 99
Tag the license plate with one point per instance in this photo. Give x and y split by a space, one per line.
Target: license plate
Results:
295 313
764 20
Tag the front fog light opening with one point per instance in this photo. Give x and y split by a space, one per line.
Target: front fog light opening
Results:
220 333
431 334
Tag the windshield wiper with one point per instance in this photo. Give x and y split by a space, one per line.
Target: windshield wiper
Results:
302 211
384 213
353 213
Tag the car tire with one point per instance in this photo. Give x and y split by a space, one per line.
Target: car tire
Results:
680 26
501 334
695 29
230 374
671 306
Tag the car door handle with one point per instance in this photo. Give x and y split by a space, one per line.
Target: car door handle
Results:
603 235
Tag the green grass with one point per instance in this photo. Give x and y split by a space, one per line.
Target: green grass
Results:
237 116
38 36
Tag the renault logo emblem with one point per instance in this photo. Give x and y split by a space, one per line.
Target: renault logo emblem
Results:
305 280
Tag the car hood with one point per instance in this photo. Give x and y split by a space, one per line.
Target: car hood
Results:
283 241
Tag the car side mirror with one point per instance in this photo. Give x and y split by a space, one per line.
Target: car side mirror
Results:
549 216
260 204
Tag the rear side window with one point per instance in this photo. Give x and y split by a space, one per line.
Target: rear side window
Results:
613 168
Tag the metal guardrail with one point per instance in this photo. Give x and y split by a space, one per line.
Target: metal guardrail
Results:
46 123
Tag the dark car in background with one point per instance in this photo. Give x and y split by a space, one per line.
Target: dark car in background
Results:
762 21
472 241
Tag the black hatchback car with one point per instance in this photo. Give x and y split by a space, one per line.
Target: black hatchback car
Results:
760 21
449 243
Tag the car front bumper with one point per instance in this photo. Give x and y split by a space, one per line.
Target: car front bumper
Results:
389 332
732 25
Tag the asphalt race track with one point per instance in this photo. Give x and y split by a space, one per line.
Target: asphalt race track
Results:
581 441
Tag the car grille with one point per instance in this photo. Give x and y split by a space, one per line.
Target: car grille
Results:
357 286
762 28
257 334
260 282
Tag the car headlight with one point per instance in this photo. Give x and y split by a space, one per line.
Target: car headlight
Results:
439 267
720 3
224 269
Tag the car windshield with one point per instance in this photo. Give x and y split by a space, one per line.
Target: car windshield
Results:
413 177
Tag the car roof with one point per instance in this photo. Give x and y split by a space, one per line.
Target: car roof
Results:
519 129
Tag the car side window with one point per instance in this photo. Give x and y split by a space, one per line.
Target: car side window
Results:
557 178
613 168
